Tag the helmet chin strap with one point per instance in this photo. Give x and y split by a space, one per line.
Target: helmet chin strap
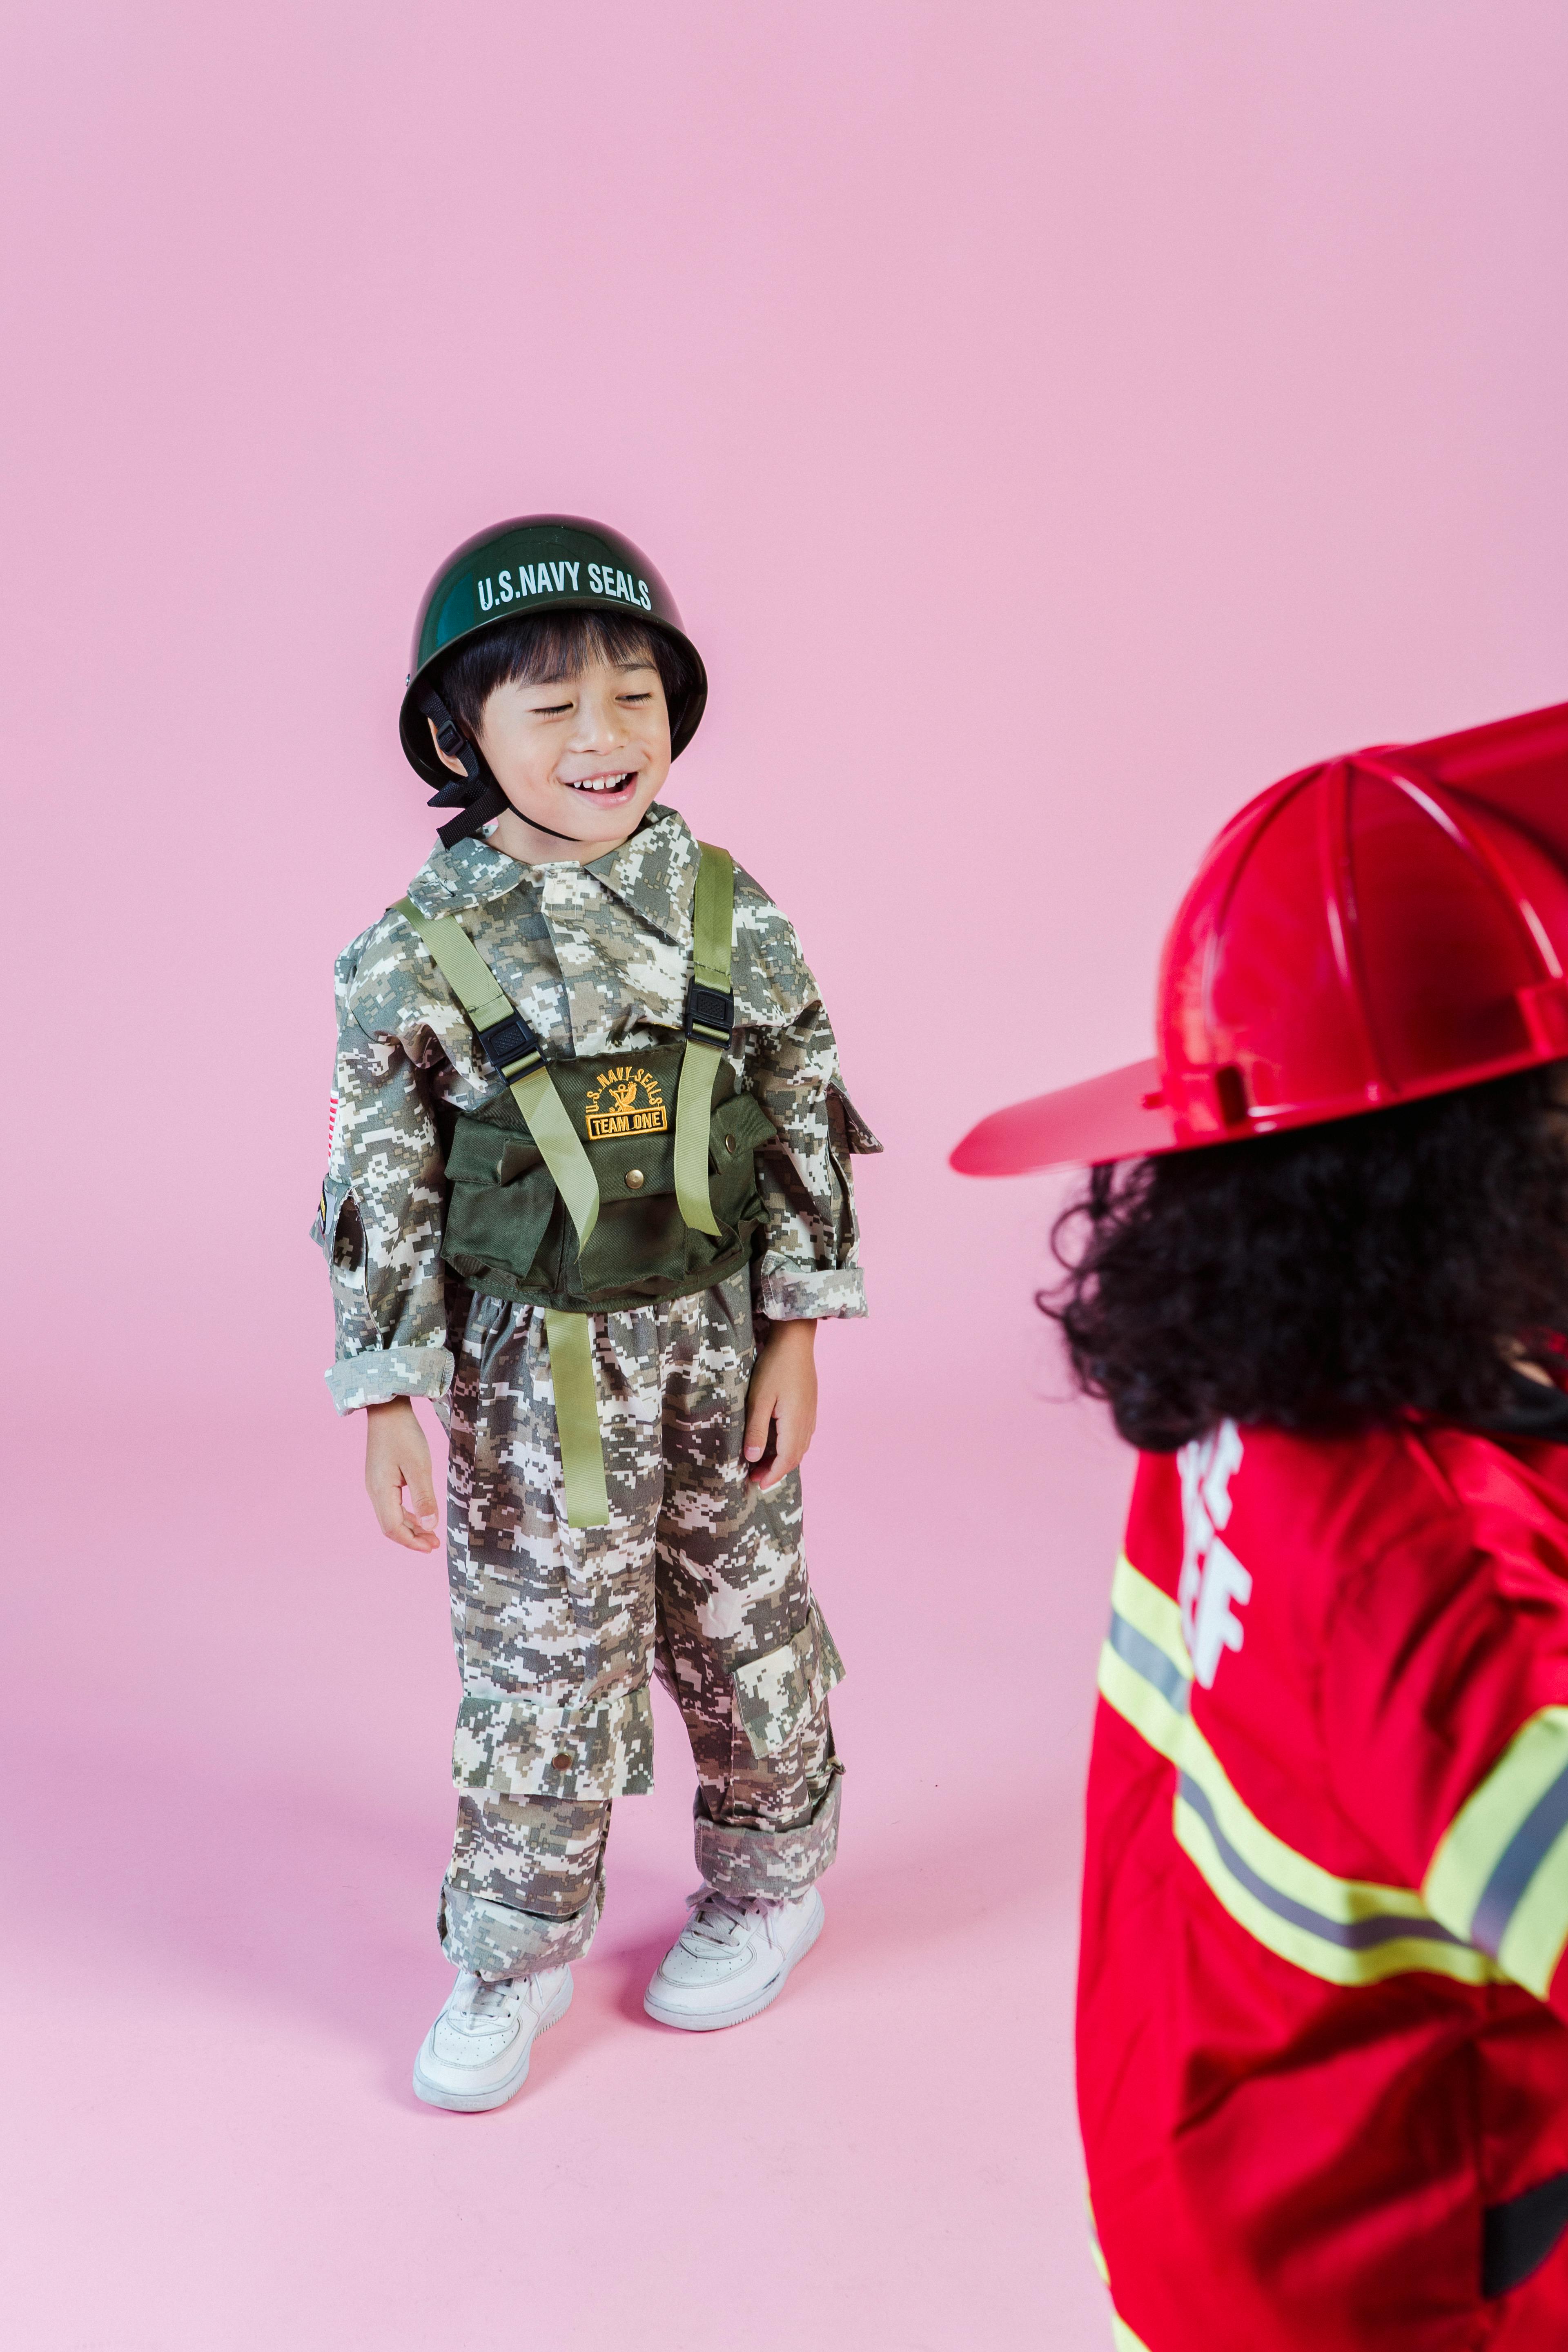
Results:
476 791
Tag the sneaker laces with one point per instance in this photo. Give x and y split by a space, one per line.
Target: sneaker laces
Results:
717 1920
489 2005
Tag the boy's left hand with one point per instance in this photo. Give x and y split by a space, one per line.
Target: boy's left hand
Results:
781 1403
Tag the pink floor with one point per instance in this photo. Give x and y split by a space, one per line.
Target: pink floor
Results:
219 1957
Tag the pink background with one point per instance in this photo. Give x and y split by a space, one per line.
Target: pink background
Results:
1056 421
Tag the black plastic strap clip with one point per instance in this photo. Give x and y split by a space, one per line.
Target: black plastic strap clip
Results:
451 739
511 1045
710 1013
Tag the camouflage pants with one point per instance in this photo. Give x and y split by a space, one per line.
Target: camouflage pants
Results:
698 1576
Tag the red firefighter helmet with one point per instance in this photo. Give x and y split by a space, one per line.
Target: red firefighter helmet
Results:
1379 926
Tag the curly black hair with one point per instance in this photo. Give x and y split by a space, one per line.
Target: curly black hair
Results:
1326 1278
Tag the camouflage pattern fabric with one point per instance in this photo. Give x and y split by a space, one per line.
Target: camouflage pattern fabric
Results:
597 958
699 1577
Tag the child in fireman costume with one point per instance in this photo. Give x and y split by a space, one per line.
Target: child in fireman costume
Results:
589 1191
1321 1273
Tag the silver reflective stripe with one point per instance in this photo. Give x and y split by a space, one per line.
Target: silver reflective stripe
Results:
1146 1658
1356 1935
1516 1865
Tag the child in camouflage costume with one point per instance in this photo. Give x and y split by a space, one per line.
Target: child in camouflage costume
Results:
553 730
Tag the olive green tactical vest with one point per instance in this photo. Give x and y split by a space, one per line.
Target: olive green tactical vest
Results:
600 1183
510 1234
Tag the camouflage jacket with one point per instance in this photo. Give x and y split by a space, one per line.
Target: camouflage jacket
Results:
597 958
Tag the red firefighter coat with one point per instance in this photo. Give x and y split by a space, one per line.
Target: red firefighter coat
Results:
1322 2061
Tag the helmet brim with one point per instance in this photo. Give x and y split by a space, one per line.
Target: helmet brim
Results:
1118 1116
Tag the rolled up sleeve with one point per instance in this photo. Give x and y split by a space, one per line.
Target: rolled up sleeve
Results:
811 1266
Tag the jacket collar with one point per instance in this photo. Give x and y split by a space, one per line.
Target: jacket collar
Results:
654 872
654 875
470 874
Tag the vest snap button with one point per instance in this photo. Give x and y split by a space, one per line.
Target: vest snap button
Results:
561 1763
729 1143
636 1179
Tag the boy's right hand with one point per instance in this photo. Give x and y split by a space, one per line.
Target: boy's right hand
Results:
397 1465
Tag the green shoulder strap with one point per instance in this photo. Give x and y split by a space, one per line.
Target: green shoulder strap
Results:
710 1022
513 1048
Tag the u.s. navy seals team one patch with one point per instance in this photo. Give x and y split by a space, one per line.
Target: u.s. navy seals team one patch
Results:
625 1101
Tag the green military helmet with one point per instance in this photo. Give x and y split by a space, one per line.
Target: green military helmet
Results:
536 563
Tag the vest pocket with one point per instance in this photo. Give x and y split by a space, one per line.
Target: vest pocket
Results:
507 1231
735 1132
778 1694
500 1223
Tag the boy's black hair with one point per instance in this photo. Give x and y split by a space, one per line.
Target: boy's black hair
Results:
557 645
1326 1278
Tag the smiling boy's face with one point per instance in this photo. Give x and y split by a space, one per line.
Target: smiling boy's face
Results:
585 755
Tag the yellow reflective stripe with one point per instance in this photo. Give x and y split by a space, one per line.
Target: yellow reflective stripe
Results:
1355 1934
1533 1941
1347 1931
1486 1825
1122 2336
1094 2244
1153 1612
1341 1902
1139 1703
1499 1876
1144 1669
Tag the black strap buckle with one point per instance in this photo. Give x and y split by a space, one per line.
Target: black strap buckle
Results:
450 739
510 1044
710 1013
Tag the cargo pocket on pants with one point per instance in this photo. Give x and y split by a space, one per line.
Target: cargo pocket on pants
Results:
778 1694
523 1747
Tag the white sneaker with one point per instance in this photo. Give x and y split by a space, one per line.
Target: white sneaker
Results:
476 2054
731 1958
